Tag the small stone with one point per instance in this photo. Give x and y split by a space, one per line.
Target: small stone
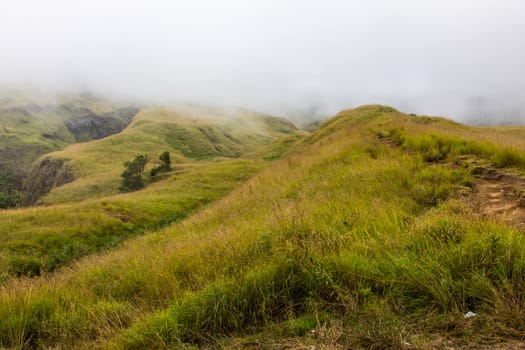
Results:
469 315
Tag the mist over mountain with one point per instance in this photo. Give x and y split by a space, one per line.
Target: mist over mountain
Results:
458 59
262 174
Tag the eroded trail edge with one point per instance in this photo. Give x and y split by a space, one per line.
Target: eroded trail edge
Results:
499 194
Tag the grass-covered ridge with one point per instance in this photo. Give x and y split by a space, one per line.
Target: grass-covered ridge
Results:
190 133
361 238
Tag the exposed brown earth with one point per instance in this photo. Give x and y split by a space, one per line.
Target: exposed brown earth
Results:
499 194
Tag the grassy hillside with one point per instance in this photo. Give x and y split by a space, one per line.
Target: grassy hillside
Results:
364 235
39 240
190 133
25 134
33 124
206 145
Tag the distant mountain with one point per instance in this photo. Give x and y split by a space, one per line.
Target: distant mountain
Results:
33 124
190 133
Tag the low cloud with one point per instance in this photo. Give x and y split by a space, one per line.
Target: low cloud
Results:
461 59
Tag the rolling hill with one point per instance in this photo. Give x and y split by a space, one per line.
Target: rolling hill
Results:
191 134
377 230
33 124
207 147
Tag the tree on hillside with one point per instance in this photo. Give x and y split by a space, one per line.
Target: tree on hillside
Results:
132 176
166 161
165 165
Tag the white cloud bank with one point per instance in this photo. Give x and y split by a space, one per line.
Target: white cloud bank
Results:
463 59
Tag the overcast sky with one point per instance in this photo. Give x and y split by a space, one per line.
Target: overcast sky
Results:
464 59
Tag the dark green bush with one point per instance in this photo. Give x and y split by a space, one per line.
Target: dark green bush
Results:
132 176
24 266
165 164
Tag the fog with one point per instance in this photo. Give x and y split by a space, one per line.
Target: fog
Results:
463 59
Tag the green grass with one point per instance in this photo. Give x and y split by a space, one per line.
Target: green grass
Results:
312 254
280 147
39 240
23 137
190 134
33 124
346 241
435 148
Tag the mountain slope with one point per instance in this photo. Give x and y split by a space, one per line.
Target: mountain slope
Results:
33 124
362 236
40 240
189 133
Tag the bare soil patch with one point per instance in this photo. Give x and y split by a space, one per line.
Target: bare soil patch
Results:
500 195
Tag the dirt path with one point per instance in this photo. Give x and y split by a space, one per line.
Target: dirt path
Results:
499 194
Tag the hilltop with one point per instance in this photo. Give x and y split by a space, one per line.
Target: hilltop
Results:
376 230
